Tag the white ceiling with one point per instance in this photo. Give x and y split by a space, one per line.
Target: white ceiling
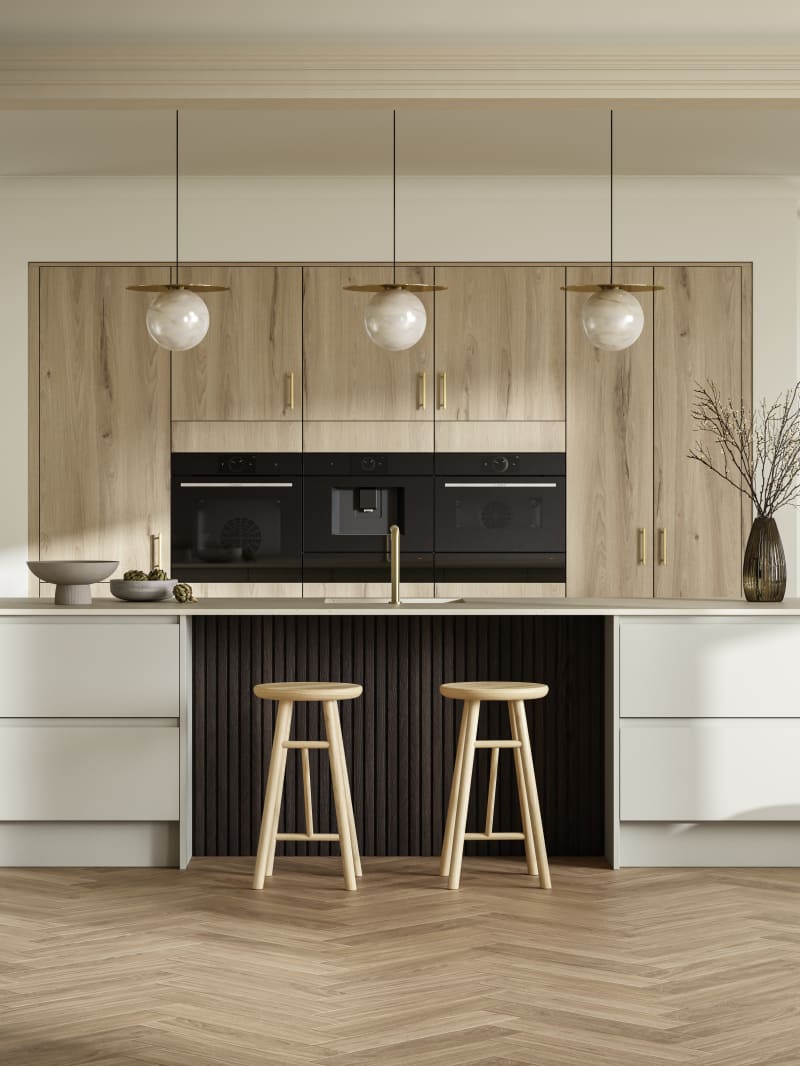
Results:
551 138
189 21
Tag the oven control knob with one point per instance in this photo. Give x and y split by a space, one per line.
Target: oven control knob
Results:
369 463
499 464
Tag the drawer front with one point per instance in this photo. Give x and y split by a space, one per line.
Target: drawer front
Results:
75 772
89 669
702 770
698 669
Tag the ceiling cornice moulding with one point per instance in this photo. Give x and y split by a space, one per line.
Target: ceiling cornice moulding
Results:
73 77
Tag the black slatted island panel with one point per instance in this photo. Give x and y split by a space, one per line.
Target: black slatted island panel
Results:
400 735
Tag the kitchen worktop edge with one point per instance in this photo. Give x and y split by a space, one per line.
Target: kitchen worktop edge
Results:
478 606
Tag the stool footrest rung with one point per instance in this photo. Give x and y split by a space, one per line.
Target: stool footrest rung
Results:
498 743
308 838
494 836
305 744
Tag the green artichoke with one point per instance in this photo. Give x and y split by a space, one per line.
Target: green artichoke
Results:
134 575
183 593
157 574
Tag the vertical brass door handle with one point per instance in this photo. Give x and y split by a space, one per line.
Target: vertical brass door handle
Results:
662 547
642 546
290 391
442 401
155 551
422 391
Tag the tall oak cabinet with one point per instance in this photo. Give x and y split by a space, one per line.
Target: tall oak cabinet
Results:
100 446
643 519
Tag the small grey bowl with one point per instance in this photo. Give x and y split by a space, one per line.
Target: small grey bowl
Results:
139 591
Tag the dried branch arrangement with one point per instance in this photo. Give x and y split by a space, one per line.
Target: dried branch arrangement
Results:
757 452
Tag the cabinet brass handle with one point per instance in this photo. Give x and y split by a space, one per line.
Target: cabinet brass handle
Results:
155 551
422 391
662 547
290 391
442 401
642 546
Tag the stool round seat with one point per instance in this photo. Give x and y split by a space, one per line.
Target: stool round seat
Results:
308 691
494 690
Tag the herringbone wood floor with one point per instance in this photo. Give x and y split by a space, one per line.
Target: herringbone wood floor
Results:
634 967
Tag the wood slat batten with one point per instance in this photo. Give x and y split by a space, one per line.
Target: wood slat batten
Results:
400 735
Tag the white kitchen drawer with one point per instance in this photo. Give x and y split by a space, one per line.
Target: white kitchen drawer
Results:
696 669
79 668
705 770
111 772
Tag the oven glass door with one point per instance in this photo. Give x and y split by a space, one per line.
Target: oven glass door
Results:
236 529
523 514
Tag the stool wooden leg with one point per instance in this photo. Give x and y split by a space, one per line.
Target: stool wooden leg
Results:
330 710
447 846
524 810
473 710
533 796
272 796
351 812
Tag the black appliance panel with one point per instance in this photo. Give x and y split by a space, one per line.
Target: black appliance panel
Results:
526 514
236 517
362 567
501 517
511 464
378 463
350 502
502 567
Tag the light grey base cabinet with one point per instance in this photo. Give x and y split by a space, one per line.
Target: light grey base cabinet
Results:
94 742
707 718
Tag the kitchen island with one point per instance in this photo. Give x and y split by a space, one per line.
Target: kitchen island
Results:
670 736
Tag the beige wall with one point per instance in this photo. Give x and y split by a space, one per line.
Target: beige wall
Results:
347 218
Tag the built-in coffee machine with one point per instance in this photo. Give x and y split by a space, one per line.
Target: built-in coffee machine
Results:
350 501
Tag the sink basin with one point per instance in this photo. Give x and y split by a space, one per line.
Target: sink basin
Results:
72 577
376 601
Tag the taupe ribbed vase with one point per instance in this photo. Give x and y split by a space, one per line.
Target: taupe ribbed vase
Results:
764 568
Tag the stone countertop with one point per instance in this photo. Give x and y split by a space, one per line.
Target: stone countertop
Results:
106 607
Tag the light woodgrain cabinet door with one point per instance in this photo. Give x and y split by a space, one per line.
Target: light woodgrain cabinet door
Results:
698 337
500 343
104 417
609 453
249 364
345 376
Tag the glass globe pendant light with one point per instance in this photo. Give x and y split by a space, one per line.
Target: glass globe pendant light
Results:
612 317
395 317
177 319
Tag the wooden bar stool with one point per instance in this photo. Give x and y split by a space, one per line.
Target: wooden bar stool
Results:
514 693
327 693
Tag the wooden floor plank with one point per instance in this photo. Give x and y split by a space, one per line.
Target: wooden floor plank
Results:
162 968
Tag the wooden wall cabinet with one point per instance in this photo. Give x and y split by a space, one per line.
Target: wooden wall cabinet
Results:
500 344
644 519
346 378
249 364
101 442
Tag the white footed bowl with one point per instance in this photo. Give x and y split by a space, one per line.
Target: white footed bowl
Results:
72 577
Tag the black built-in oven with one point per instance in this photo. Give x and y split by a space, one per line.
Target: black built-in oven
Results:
501 517
236 517
351 500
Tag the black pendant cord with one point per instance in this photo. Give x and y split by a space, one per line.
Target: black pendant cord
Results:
177 199
611 198
394 196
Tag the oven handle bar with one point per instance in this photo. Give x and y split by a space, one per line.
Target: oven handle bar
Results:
237 484
500 485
